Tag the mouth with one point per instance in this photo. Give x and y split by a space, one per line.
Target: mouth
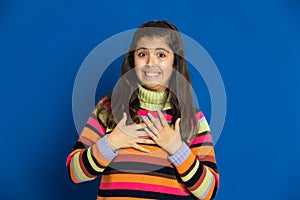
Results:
152 74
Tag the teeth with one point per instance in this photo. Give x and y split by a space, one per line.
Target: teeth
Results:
151 74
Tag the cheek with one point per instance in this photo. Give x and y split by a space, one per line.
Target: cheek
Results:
138 71
170 61
138 61
169 72
135 62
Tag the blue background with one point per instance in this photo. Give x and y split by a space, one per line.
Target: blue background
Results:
255 45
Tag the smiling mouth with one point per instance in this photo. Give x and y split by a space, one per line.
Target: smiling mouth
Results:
152 74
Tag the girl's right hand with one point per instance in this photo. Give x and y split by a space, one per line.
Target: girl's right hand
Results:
124 136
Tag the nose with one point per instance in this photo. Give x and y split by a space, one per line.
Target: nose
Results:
151 60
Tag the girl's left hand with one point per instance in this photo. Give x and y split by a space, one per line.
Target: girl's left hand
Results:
162 134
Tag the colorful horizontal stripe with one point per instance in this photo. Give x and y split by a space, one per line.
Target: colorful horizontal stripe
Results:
93 122
191 173
144 115
144 187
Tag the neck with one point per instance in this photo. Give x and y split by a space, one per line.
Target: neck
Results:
153 100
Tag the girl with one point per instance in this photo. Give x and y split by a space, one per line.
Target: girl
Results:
146 140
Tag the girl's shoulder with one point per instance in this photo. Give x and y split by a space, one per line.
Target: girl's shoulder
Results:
105 102
102 109
202 124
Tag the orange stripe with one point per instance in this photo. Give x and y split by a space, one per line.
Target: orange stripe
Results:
74 152
132 178
154 151
72 173
71 163
203 150
100 159
211 189
142 158
89 134
186 164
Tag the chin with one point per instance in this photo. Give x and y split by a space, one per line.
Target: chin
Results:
154 87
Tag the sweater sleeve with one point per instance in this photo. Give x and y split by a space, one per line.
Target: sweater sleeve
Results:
196 163
91 153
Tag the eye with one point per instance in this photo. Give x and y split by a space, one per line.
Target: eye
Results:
142 54
161 55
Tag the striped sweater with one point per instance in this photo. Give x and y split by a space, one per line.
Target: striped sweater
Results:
190 173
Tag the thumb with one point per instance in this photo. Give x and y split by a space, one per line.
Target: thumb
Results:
177 126
122 122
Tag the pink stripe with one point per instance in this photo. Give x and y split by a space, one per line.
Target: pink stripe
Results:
86 141
199 115
103 99
94 123
68 160
154 113
202 138
104 103
142 187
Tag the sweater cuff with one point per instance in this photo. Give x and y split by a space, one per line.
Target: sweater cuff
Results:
105 150
180 155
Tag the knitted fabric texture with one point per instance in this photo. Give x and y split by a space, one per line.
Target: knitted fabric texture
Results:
190 173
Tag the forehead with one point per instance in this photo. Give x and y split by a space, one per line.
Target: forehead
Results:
153 42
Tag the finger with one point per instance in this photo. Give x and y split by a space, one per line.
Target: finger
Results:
162 118
136 130
177 125
137 126
145 141
150 126
151 134
138 147
139 133
122 122
156 122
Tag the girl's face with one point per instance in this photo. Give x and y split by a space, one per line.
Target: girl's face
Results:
153 60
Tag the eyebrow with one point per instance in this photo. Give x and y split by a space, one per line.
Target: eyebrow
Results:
159 48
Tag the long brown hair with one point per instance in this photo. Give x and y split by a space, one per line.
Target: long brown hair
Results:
179 83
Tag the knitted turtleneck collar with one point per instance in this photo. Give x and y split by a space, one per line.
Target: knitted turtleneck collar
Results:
152 100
